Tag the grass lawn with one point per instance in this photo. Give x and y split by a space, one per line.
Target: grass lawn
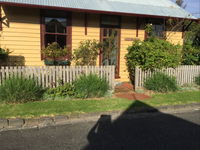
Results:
68 107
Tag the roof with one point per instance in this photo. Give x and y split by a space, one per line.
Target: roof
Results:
164 8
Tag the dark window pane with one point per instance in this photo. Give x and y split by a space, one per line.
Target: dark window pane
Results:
50 25
49 39
61 40
158 30
61 25
55 25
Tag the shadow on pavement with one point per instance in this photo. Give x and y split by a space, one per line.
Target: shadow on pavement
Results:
160 132
144 131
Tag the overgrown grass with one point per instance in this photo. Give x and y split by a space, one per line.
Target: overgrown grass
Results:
63 107
20 90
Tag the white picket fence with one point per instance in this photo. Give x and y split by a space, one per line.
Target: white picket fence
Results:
184 74
49 76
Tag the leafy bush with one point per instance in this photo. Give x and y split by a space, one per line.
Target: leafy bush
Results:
161 82
54 51
152 54
20 90
90 86
191 54
197 80
87 53
4 53
65 90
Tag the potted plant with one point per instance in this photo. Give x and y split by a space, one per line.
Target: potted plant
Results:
55 55
4 53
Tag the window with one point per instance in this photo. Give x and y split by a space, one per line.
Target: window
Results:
158 30
158 26
56 27
55 31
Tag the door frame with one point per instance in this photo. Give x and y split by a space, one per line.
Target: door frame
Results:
117 75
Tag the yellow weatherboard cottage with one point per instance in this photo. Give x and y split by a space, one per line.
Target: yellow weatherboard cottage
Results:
27 26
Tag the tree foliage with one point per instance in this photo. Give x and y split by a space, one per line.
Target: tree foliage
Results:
180 3
192 35
191 47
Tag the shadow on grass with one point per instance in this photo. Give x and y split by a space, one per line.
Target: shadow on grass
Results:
157 131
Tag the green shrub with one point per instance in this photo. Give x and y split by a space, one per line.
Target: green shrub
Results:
54 51
90 86
152 54
197 80
55 55
191 54
65 90
87 52
161 82
20 90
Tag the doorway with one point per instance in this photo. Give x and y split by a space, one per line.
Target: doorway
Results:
110 53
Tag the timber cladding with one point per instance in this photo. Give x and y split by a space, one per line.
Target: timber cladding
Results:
22 34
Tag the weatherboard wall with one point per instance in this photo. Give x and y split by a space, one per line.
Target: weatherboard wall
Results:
21 34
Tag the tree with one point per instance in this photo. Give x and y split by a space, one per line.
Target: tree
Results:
191 47
193 34
180 3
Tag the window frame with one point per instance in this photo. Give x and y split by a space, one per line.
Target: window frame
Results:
43 33
1 19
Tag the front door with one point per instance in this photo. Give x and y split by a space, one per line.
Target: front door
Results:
110 37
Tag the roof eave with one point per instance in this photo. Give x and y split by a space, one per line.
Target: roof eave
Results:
89 10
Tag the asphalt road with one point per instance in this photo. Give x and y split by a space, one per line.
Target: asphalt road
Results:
154 131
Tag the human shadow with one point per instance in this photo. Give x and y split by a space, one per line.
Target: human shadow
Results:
153 131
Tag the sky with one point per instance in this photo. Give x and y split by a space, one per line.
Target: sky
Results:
193 6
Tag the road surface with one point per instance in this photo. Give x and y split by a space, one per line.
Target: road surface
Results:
153 131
